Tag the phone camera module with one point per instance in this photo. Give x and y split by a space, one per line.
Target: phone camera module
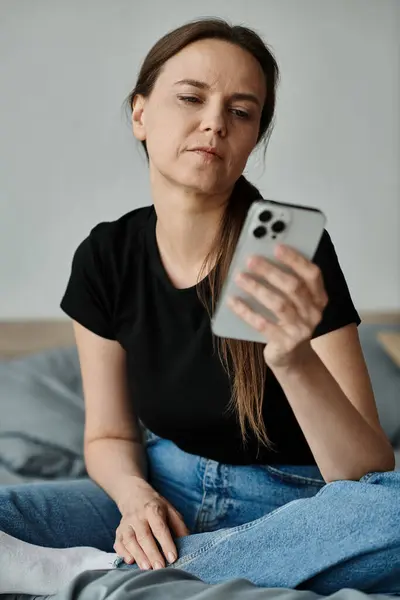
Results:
265 216
260 232
278 226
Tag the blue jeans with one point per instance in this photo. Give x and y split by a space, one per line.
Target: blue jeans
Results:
275 525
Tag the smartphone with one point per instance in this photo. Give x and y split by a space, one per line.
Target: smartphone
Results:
267 224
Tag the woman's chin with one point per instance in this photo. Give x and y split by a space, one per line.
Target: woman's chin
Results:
204 184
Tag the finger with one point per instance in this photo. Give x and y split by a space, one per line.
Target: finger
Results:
306 270
162 533
177 523
134 548
259 323
123 552
280 305
286 281
146 540
295 280
290 287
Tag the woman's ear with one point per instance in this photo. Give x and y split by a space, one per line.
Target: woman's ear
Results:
138 126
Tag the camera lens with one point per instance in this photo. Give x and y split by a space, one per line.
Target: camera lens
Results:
265 216
278 226
260 231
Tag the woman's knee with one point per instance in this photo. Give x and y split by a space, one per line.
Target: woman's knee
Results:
59 514
17 509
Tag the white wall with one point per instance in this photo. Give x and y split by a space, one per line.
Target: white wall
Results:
68 160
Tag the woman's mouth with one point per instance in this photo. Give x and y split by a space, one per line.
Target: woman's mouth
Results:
209 153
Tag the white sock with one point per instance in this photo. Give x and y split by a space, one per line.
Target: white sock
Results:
29 569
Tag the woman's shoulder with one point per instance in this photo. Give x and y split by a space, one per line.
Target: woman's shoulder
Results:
108 249
99 265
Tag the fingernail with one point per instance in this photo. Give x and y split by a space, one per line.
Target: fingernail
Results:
158 565
171 557
146 566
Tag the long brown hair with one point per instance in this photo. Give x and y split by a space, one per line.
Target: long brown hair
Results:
243 361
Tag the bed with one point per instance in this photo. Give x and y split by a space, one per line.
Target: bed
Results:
41 438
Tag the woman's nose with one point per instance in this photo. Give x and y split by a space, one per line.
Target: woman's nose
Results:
214 122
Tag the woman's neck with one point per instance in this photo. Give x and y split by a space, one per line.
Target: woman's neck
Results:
186 227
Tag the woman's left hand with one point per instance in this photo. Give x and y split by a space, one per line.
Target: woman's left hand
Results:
298 302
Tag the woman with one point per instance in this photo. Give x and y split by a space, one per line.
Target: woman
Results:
253 452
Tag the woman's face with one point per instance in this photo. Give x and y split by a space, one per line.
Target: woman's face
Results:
210 95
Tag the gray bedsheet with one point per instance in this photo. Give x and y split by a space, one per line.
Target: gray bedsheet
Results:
42 418
175 584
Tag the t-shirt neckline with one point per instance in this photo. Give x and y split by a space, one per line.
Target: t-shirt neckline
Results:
156 261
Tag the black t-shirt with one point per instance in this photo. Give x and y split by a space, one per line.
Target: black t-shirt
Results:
119 289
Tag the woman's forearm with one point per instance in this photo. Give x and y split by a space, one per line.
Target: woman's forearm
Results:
115 464
344 445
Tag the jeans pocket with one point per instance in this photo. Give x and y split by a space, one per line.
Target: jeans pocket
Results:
307 475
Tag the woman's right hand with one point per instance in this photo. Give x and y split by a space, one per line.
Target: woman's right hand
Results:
147 517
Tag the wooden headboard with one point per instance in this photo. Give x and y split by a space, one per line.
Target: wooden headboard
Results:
24 337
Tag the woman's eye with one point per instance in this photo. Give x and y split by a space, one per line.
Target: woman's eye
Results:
189 99
240 113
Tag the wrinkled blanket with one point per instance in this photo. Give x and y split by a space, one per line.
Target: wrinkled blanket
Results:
175 584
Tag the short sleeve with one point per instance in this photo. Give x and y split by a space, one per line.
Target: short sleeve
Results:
88 296
340 310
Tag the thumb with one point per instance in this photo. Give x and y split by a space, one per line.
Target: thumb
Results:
177 523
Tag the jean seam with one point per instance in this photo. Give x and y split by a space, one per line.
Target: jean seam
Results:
294 478
225 535
203 499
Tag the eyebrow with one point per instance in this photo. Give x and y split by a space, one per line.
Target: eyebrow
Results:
204 86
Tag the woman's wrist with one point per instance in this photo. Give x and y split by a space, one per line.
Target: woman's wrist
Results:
126 485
